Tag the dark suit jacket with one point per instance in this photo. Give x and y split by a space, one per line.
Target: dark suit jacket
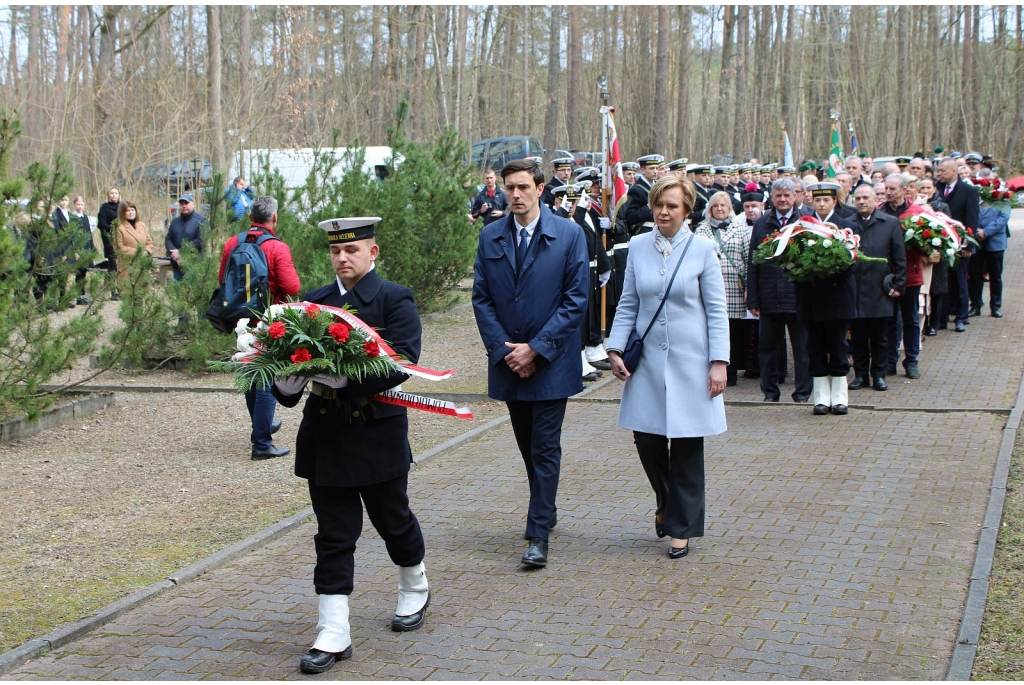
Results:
831 299
634 211
881 236
543 306
374 446
546 195
963 202
767 289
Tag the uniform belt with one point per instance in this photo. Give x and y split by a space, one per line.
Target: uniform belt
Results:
324 391
593 264
620 246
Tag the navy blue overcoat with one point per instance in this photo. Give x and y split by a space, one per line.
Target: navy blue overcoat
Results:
544 306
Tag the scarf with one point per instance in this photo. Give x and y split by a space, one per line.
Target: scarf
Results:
666 245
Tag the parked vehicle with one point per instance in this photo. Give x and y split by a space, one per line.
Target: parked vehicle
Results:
163 177
495 153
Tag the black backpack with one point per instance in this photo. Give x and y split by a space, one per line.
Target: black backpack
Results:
244 292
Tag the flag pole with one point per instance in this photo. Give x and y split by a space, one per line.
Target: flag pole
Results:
602 84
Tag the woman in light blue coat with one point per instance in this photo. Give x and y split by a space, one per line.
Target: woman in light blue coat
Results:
673 398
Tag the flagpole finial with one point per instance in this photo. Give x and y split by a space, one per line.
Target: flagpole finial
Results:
833 114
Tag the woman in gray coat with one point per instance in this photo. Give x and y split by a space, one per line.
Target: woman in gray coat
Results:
673 398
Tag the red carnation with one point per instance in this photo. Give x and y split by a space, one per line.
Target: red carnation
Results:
970 231
1007 194
372 348
312 310
301 355
983 182
339 331
926 233
276 330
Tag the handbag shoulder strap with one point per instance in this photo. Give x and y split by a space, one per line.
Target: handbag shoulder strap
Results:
669 287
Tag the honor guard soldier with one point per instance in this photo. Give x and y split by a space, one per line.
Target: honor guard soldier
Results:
786 171
635 211
677 167
702 182
600 271
629 172
903 162
563 172
355 452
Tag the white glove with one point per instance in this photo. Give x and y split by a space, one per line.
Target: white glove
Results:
335 383
292 385
605 222
584 202
602 279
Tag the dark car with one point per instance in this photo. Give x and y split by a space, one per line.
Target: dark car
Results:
495 153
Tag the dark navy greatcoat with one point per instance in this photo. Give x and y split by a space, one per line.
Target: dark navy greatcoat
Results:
544 306
832 299
880 236
330 450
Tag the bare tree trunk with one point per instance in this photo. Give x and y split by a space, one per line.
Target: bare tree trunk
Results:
762 33
416 103
244 59
683 107
902 120
458 64
12 57
63 34
575 57
213 70
440 68
103 143
726 117
1012 146
741 107
963 119
481 75
973 76
526 68
661 81
34 109
786 81
554 69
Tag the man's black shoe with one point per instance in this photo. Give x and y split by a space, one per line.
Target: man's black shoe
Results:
930 331
799 400
402 624
975 311
84 299
879 384
890 371
536 554
960 328
275 426
603 365
269 453
316 661
821 409
858 383
996 314
771 399
592 376
913 371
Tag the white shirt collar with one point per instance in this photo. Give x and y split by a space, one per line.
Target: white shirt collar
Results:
530 228
341 288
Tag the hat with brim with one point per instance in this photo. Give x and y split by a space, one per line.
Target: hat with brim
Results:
787 170
677 164
572 192
702 169
587 174
824 189
563 162
349 229
630 166
650 160
902 160
186 197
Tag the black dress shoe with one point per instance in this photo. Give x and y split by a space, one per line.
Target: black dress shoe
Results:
536 554
820 409
799 400
402 624
975 311
659 528
858 383
891 371
317 661
996 314
603 365
269 453
771 399
592 376
930 331
275 426
879 384
960 328
840 409
678 552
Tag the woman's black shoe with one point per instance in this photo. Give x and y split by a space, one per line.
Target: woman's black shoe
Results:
678 552
659 529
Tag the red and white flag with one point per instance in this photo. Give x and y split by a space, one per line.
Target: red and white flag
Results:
613 178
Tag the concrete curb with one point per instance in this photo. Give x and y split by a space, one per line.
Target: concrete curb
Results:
61 636
21 427
961 663
457 397
804 405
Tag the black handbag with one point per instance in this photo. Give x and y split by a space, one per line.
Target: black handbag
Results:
635 343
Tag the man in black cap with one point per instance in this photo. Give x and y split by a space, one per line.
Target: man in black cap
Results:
702 184
677 167
355 452
186 227
563 172
629 172
635 212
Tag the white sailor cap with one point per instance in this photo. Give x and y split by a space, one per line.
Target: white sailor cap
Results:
563 162
824 189
650 160
677 163
349 229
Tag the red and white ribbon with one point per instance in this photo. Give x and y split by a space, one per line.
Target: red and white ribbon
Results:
355 322
427 404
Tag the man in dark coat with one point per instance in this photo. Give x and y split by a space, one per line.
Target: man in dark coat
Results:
633 216
825 308
355 451
991 234
773 298
490 202
963 202
877 285
105 216
529 298
184 228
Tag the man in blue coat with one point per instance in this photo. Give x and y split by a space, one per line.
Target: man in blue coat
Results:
529 297
991 235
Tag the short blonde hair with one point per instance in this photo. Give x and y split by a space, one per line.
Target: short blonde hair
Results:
673 181
721 196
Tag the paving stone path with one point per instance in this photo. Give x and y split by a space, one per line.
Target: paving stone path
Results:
836 547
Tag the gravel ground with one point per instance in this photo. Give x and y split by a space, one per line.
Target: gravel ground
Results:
99 508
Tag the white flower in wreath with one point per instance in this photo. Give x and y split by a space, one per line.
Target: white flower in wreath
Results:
276 310
936 242
242 326
811 243
909 233
950 252
245 342
826 243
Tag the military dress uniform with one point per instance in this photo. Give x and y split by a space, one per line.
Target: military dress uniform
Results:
703 195
547 195
354 452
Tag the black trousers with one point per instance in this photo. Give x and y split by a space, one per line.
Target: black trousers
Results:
108 250
675 469
339 517
738 333
590 330
772 341
826 348
619 257
538 429
959 290
992 264
870 345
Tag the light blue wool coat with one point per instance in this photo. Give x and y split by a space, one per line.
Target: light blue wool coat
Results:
668 393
